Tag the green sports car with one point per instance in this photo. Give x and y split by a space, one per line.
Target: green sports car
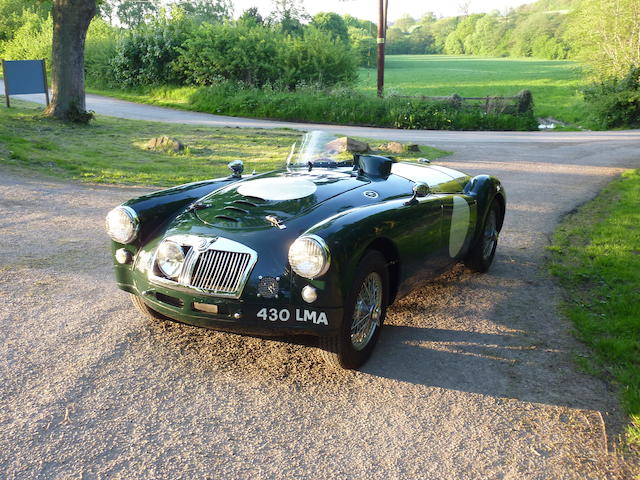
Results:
320 247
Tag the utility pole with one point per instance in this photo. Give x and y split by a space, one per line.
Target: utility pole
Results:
382 34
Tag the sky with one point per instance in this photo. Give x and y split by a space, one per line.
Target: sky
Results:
368 9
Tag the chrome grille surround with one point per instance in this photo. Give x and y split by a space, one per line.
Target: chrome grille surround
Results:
213 266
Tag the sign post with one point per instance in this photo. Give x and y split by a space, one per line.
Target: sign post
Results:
22 77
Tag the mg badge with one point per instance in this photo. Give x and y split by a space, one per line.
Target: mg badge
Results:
206 243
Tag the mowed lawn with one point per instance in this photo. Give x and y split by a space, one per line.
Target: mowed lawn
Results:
113 150
555 84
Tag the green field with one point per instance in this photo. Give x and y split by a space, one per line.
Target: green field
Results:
555 84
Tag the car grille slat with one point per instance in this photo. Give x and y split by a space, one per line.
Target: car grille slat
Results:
243 267
220 271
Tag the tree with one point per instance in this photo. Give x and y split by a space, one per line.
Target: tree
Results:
288 15
71 19
210 11
606 34
331 23
132 13
251 18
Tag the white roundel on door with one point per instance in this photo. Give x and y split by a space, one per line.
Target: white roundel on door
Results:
459 226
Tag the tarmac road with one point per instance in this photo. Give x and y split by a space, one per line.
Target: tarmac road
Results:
473 377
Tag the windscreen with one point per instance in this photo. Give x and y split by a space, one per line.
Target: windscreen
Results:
319 149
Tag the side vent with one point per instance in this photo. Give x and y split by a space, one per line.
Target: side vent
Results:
235 209
227 218
245 202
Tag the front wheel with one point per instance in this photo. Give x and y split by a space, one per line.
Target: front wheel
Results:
480 256
144 309
364 314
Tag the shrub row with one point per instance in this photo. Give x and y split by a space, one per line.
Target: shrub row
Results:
180 51
347 107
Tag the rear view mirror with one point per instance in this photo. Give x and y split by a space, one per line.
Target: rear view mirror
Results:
237 167
420 189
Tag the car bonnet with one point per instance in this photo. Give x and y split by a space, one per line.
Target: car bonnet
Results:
281 196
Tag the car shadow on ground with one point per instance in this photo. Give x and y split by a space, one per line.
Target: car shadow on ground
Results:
497 365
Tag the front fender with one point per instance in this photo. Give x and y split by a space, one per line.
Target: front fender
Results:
349 234
157 209
485 189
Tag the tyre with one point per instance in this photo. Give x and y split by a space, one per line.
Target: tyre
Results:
480 256
364 313
144 309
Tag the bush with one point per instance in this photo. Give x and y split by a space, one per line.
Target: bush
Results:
147 55
99 50
230 52
259 56
32 41
347 107
616 103
317 58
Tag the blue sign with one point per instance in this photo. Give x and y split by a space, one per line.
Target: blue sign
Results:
23 77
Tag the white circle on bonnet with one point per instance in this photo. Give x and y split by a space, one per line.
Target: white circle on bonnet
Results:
277 188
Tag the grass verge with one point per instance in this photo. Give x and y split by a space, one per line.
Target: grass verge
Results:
596 257
112 150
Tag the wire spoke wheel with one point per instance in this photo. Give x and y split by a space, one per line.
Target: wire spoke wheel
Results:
490 235
481 254
367 311
365 307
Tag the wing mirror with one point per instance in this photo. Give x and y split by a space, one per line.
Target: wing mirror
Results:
237 167
420 189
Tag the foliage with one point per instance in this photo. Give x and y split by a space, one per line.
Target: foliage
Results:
231 52
99 50
595 256
210 11
132 13
316 58
615 103
288 16
339 106
362 36
408 35
32 40
147 54
606 35
14 13
259 56
331 23
534 30
251 18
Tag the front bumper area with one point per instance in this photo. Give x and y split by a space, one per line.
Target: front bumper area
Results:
263 318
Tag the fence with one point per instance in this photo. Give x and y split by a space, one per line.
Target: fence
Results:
520 104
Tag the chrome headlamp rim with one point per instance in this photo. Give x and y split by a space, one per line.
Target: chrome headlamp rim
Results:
133 218
174 275
324 249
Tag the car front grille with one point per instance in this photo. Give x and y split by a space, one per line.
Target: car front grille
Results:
213 266
219 271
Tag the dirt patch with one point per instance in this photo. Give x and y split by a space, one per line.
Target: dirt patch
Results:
473 378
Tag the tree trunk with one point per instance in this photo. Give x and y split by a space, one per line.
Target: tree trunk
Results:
71 20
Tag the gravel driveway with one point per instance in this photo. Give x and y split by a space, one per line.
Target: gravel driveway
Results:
473 377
